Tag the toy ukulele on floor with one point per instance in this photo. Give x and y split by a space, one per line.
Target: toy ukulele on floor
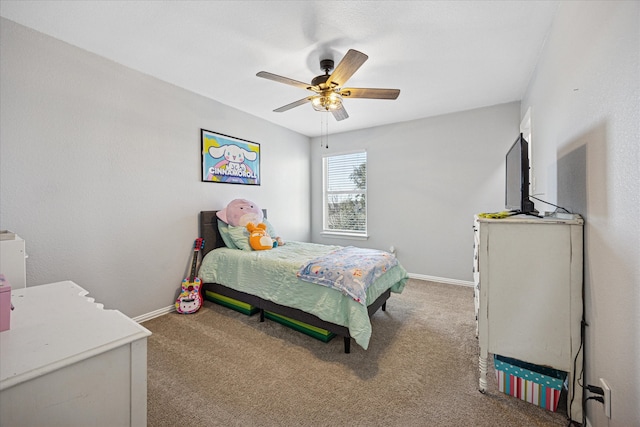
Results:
190 298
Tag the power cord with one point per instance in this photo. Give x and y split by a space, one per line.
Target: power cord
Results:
598 398
575 368
544 201
595 389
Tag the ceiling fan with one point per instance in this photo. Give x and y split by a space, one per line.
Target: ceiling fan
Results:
329 88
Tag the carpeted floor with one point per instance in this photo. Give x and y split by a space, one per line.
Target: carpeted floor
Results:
221 368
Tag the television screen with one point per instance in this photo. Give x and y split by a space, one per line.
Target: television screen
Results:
517 178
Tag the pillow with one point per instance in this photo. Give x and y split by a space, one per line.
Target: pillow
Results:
223 228
240 237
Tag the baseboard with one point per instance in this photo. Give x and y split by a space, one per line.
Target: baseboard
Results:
440 279
156 313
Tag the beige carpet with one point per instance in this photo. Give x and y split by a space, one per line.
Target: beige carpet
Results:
221 368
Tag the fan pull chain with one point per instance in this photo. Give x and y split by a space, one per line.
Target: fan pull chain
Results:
324 130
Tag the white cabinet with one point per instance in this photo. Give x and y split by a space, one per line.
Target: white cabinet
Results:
528 293
68 362
12 261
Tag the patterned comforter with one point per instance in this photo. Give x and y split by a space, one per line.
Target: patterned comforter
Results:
351 270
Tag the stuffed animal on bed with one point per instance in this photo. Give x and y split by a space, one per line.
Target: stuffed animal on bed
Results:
240 212
259 239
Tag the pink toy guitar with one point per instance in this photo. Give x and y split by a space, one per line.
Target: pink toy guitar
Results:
190 298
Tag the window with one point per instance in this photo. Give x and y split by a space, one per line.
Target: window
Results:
345 194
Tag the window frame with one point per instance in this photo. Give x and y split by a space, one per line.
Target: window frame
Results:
358 235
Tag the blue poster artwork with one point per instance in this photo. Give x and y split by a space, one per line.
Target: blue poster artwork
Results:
229 160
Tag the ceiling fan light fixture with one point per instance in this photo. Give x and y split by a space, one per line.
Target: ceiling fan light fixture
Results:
327 102
329 89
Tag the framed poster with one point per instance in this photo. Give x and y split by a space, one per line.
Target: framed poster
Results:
229 160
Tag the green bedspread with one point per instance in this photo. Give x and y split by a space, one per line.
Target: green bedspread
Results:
271 275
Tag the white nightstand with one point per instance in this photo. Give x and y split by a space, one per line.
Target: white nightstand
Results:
68 362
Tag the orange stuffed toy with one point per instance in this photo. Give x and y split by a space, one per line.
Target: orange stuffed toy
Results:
259 240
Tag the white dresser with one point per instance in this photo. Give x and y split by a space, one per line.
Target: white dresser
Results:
528 292
66 361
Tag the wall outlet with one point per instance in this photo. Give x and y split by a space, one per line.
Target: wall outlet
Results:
606 397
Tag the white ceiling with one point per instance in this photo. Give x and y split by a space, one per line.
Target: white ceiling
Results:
444 56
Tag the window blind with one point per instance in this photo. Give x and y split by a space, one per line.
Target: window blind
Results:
345 190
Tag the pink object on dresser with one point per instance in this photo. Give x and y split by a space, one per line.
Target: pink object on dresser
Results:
5 304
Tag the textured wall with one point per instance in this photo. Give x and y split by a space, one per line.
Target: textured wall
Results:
426 180
585 122
100 171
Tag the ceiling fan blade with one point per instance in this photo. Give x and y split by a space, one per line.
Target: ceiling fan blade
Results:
293 104
340 114
352 92
285 80
345 69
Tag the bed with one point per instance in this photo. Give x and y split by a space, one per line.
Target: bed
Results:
242 276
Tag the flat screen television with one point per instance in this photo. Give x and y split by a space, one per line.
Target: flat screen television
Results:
517 179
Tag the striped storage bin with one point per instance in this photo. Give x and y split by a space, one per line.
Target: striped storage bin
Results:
532 383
